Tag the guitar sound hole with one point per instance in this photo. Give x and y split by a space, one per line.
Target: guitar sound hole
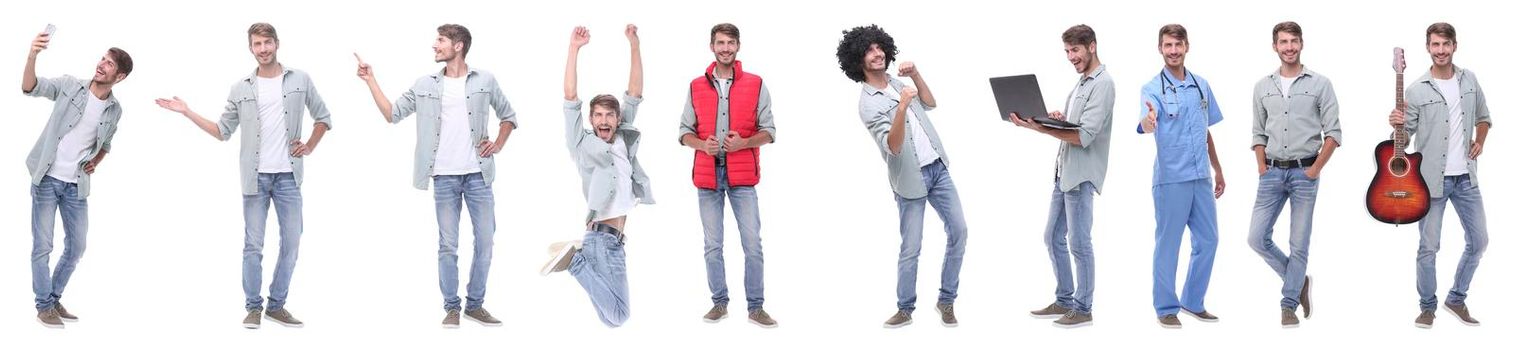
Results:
1399 166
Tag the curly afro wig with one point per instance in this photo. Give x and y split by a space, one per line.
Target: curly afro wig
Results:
854 45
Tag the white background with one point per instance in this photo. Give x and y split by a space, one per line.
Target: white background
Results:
162 266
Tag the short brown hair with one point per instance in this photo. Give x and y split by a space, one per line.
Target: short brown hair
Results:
1175 30
1443 29
727 29
1289 27
123 60
458 34
1080 34
605 101
262 29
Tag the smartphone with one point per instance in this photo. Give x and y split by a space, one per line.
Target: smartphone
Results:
50 29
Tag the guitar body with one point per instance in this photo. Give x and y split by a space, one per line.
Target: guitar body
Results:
1398 194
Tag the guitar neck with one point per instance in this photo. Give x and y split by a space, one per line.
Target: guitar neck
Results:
1400 137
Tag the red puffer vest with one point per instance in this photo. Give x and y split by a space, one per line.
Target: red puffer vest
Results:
742 168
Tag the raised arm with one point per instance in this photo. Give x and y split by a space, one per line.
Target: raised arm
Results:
29 76
633 88
577 40
926 98
178 106
365 72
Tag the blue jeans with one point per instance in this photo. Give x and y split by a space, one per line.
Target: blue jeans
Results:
1468 201
1072 217
47 198
284 193
600 267
451 192
712 213
1276 187
942 195
1184 204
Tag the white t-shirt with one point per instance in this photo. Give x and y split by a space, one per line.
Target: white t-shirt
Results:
1456 151
455 150
273 133
1288 85
624 200
76 144
923 151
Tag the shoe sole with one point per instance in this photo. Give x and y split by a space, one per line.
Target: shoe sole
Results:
1074 325
1308 295
1196 316
1172 326
1290 326
1459 319
449 326
892 326
481 322
69 320
1421 325
53 326
768 326
716 320
1045 317
285 324
556 258
251 325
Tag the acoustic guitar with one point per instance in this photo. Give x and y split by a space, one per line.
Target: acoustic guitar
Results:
1398 194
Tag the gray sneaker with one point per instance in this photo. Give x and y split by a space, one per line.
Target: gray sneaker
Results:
451 321
1425 320
761 319
1074 319
63 313
562 257
49 318
1202 315
948 314
1170 321
716 314
1050 311
1290 320
1461 313
253 320
900 319
482 317
281 316
1305 299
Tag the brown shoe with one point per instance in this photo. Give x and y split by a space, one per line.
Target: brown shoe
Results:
49 318
452 319
63 313
1050 311
948 314
1425 320
1289 319
281 316
562 257
1305 300
1170 321
254 319
1202 315
716 314
761 319
1074 319
482 317
900 319
1461 313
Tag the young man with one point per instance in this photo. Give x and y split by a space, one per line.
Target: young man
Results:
727 117
70 149
1295 127
1082 160
613 183
453 151
1447 115
1179 107
273 99
917 163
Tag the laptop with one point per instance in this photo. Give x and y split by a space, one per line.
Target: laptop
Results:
1021 94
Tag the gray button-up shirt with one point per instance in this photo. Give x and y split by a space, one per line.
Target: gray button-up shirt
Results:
425 100
687 124
1295 126
70 96
877 112
592 156
1091 106
1428 120
242 104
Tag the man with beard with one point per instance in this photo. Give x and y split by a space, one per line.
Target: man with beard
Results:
453 151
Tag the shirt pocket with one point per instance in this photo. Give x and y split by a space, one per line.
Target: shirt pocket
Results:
478 100
428 103
294 102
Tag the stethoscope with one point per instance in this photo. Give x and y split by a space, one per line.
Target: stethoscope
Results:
1167 84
